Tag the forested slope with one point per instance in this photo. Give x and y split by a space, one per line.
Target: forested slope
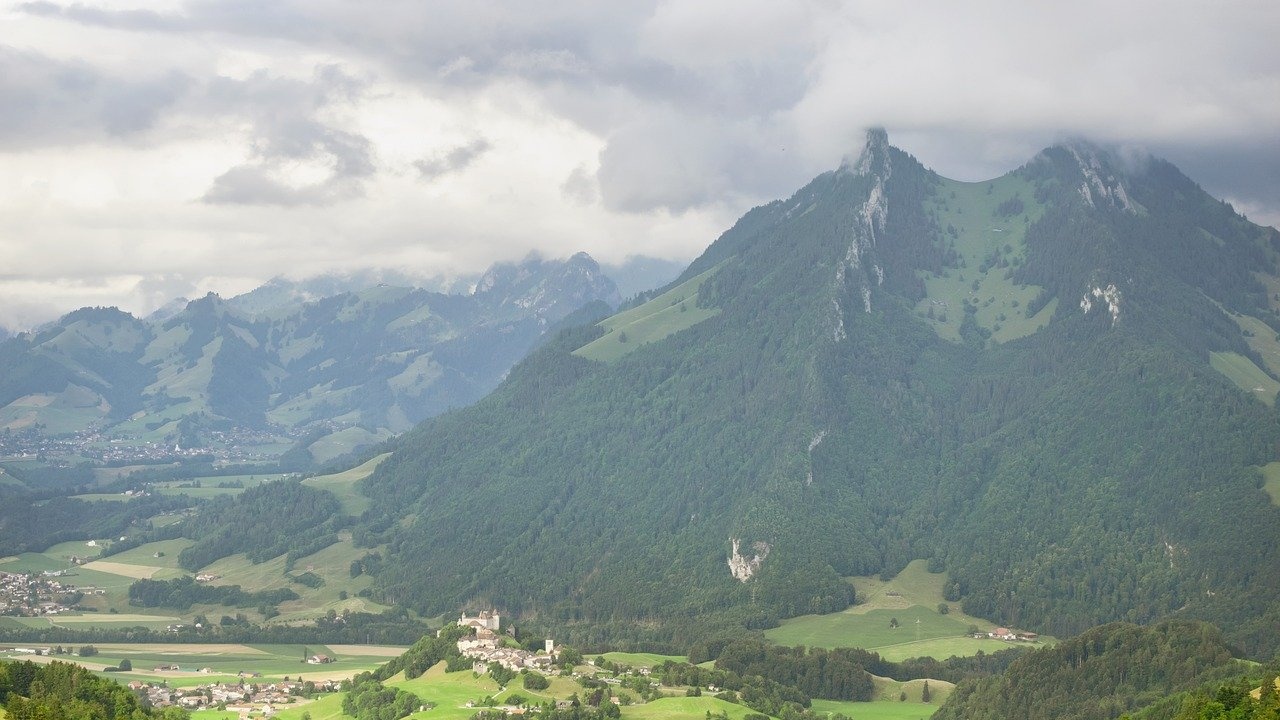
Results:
845 411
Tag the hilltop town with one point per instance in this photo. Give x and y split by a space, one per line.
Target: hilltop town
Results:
485 646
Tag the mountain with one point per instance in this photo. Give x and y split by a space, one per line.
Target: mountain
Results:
352 368
281 296
1053 385
639 273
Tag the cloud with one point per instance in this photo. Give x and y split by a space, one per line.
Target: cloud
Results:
45 101
454 160
269 137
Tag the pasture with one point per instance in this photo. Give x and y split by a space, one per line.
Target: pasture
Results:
639 660
912 598
989 246
1246 375
1271 481
199 664
343 484
666 314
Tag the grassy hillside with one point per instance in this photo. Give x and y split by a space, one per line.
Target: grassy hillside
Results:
912 598
667 314
986 225
1271 481
1246 375
343 484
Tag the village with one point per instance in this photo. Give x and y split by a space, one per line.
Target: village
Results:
485 646
240 696
32 595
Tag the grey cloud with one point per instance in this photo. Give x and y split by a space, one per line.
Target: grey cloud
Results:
455 160
44 101
263 182
581 187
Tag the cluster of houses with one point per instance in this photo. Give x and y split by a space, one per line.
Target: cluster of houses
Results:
237 697
1002 633
485 646
31 595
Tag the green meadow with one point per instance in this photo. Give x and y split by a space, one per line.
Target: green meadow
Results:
666 314
1271 481
343 484
912 598
989 245
1246 375
639 660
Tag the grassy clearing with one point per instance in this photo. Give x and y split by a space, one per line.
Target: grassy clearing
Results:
667 314
694 708
344 441
168 551
641 659
1271 481
343 484
914 595
990 246
328 707
878 709
1246 375
449 691
1261 338
332 564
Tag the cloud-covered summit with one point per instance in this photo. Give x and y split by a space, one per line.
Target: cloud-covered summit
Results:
227 142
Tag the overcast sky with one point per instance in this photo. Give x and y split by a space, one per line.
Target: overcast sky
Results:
152 148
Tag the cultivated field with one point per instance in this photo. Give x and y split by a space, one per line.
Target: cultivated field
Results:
200 664
912 598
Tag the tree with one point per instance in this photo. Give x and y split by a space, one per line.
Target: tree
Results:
88 651
893 622
126 665
924 693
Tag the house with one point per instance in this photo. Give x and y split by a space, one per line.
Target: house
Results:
319 660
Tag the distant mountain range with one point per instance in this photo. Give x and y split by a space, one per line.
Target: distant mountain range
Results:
355 361
1056 385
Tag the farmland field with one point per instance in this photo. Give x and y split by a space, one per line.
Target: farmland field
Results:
226 660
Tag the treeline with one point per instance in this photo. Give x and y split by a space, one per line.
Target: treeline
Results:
368 699
843 673
1098 675
1231 701
395 627
28 525
263 522
181 593
63 691
423 654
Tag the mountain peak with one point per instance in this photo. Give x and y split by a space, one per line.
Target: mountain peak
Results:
873 158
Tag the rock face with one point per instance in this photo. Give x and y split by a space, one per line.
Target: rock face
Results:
742 568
